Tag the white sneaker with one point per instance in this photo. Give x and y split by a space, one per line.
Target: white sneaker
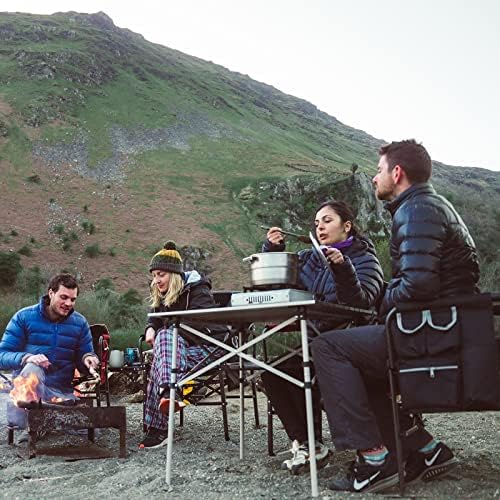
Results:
300 457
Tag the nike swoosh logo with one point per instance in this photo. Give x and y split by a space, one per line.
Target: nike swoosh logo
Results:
430 462
359 486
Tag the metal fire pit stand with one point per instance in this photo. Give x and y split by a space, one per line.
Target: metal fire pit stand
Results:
76 417
287 313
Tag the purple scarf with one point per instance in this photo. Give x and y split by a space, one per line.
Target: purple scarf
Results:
341 244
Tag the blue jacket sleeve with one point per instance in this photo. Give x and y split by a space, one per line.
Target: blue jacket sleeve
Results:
13 343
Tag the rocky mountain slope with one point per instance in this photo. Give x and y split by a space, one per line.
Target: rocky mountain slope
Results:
110 145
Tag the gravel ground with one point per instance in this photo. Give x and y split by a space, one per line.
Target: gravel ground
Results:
205 466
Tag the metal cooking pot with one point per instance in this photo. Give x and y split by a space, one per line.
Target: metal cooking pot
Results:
273 268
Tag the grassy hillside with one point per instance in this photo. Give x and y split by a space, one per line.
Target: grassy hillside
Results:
110 145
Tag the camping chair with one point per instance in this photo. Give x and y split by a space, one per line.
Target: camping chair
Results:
220 381
87 386
216 382
442 358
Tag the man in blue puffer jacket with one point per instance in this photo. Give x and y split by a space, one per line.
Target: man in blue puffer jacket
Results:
49 339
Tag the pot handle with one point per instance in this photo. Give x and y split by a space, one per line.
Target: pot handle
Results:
250 258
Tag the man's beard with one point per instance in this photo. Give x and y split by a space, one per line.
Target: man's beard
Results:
56 313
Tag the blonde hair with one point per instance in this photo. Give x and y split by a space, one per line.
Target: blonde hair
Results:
175 287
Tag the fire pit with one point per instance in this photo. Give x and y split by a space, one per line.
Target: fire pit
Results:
62 416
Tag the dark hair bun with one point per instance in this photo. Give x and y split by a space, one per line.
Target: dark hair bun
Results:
170 245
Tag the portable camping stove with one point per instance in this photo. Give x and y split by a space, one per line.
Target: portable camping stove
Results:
277 296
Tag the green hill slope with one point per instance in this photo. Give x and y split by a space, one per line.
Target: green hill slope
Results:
110 144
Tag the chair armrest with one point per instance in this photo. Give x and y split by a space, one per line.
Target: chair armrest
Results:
470 300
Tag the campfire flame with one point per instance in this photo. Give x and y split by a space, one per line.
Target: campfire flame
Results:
24 388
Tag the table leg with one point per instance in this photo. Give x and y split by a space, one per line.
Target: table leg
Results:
242 402
123 440
171 410
31 443
309 408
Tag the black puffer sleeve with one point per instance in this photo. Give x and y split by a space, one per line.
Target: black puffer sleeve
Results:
359 280
418 233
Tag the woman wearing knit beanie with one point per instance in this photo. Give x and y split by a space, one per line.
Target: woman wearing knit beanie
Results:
172 289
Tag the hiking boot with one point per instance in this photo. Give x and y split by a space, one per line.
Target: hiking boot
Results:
300 457
427 466
165 405
155 438
367 478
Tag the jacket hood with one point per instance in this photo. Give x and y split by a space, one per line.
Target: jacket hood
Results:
192 278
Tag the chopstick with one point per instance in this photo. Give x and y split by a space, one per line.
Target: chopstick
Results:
301 237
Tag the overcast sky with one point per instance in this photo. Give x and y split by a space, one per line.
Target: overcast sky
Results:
428 69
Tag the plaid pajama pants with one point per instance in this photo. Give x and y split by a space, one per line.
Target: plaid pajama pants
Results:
187 357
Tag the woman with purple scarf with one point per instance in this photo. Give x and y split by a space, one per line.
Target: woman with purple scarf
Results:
355 278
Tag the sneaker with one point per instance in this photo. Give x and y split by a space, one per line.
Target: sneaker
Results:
165 405
427 466
366 478
155 438
300 457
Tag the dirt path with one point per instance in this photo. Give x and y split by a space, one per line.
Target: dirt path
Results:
205 466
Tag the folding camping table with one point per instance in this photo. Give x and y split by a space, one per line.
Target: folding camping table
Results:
239 316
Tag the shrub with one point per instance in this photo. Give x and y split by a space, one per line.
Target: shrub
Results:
10 267
88 227
384 257
31 282
14 232
25 250
115 310
35 179
32 240
112 252
9 305
85 208
58 229
72 236
92 251
104 284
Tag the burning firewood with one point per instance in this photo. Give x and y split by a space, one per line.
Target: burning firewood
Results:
25 388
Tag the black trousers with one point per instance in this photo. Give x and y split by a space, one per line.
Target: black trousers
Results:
289 401
351 366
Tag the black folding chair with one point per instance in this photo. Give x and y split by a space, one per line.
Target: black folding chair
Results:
222 379
443 357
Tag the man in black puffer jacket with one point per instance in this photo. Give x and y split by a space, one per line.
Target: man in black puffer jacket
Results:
433 256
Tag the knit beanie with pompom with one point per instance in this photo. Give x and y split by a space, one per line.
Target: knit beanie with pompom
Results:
167 259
